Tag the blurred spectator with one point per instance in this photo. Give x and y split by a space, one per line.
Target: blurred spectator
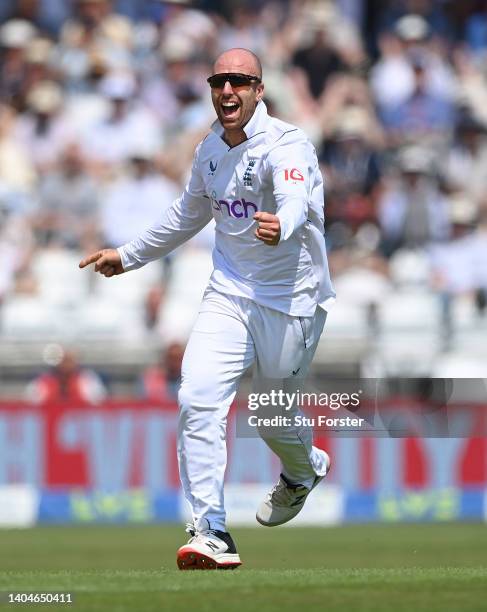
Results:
166 90
393 78
458 266
246 30
47 15
345 95
136 201
66 381
128 124
43 129
162 381
476 29
159 92
90 13
422 115
471 91
15 36
352 170
466 163
318 60
17 172
16 245
68 204
94 37
153 304
412 211
182 21
193 112
38 59
430 11
364 281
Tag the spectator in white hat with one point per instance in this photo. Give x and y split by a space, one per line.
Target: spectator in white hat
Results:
137 200
423 114
110 142
43 129
413 213
393 79
15 37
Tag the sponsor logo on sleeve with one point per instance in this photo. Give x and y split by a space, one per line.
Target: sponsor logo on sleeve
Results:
293 174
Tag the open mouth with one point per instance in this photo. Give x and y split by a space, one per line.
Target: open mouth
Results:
230 109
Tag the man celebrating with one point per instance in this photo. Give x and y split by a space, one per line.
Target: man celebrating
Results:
258 177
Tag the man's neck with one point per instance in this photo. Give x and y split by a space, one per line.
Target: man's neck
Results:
234 137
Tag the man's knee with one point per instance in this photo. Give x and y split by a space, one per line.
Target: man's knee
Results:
188 396
199 396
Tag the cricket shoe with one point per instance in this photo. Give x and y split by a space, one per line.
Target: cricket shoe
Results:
208 549
285 500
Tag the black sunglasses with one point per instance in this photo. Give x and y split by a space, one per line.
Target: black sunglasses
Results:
236 79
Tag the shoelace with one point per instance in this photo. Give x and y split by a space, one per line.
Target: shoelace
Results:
282 495
191 529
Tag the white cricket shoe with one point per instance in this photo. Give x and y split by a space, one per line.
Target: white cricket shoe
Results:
285 501
208 549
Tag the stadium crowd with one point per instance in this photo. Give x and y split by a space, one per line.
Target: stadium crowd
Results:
102 103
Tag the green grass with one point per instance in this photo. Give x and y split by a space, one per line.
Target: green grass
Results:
396 568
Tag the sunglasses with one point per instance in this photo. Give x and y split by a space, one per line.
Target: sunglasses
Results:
236 79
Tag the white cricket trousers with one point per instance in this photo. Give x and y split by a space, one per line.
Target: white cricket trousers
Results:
230 334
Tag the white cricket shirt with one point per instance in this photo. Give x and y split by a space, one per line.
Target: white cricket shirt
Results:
275 170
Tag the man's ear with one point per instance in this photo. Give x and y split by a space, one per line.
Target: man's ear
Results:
259 90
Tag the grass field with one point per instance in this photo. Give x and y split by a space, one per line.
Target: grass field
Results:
395 568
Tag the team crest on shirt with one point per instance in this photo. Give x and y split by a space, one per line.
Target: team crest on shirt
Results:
212 168
247 177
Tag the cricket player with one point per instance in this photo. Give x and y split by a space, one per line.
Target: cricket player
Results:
265 303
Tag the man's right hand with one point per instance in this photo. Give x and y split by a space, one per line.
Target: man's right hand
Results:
107 262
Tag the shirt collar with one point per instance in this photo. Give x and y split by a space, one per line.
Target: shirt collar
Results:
254 126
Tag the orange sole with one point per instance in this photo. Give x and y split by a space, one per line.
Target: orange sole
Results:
194 560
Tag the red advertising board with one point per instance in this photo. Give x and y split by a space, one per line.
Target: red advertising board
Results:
129 444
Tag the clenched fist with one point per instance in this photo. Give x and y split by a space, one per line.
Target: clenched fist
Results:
107 262
269 230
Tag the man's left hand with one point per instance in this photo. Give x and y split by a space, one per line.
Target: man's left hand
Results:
269 230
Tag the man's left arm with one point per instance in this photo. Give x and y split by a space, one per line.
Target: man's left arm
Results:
291 166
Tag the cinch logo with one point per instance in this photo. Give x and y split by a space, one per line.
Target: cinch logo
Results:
294 175
237 208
